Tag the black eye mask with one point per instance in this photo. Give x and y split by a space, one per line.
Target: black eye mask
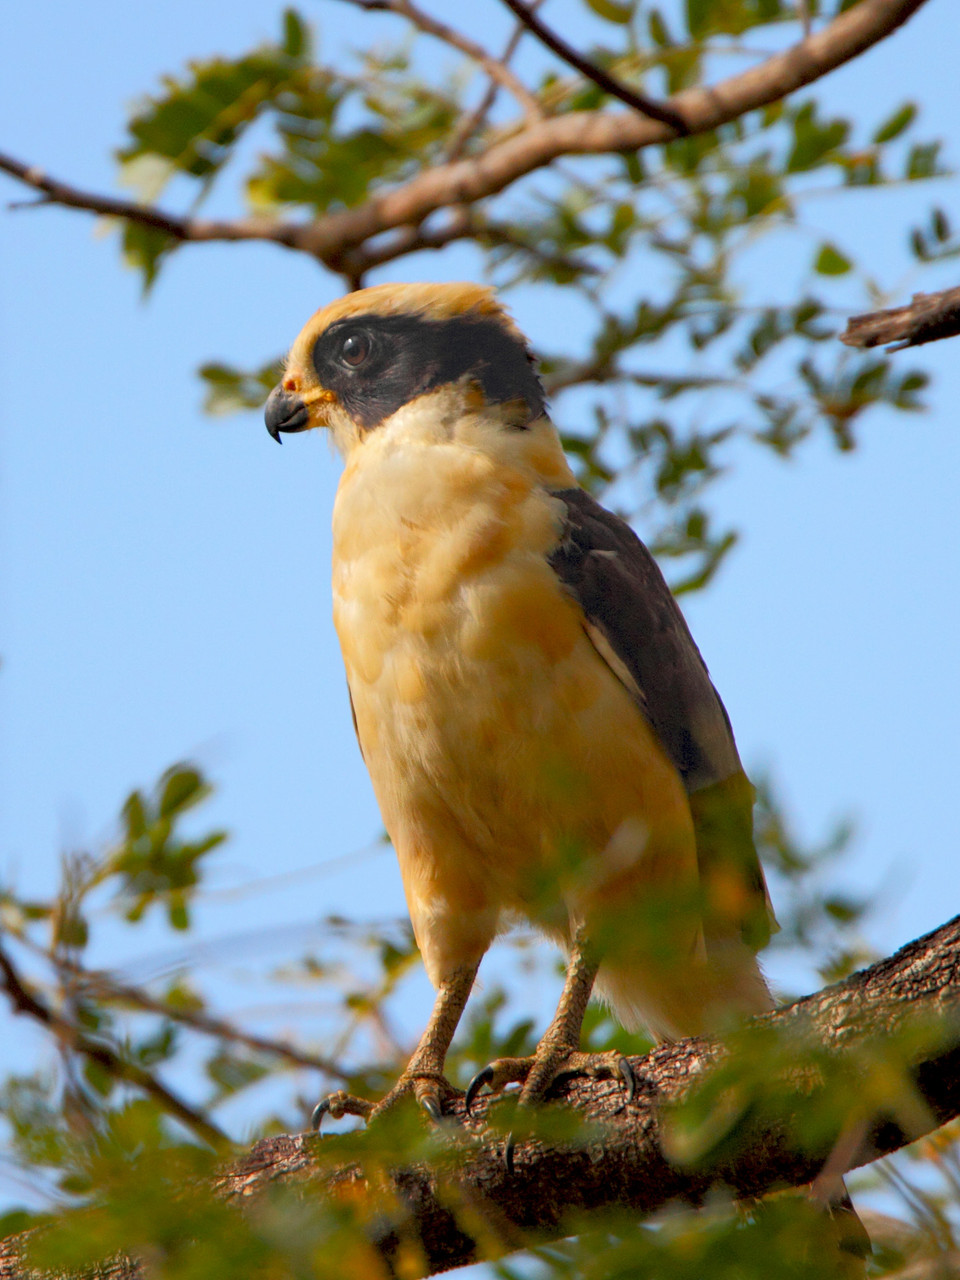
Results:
377 364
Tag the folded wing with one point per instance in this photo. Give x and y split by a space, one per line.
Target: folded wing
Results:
637 628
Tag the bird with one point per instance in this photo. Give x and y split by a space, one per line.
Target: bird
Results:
542 734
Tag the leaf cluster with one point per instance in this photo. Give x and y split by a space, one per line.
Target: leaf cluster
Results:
695 219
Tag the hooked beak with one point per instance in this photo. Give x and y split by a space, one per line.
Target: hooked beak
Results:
284 412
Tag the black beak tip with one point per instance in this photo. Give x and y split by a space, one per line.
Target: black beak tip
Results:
284 412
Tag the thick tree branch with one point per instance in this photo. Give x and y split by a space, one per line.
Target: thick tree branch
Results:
598 132
466 1204
927 318
465 181
615 88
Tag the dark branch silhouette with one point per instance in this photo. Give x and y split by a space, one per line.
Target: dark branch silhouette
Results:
615 88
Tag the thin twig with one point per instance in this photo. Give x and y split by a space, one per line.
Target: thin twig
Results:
615 88
109 1059
494 67
106 988
462 224
577 375
469 125
61 193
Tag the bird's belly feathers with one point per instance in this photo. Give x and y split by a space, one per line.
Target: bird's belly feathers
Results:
512 768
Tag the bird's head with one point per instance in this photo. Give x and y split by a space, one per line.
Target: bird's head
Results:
367 355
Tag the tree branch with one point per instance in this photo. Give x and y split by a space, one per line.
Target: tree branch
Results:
106 989
61 193
98 1051
636 101
462 224
599 132
471 179
465 1204
927 318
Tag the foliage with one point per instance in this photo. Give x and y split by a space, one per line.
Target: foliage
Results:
690 220
714 340
114 1163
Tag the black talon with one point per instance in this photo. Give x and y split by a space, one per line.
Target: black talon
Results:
431 1107
629 1079
476 1084
508 1149
319 1111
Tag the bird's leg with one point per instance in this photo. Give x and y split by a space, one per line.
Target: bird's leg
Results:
558 1053
423 1075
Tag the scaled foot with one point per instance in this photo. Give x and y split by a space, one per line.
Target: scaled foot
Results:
538 1074
429 1088
550 1063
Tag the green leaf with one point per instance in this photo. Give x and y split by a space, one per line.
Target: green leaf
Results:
71 929
831 262
731 17
182 788
194 123
144 248
230 390
230 1071
815 142
152 863
134 815
296 35
14 1222
922 162
659 31
894 125
612 11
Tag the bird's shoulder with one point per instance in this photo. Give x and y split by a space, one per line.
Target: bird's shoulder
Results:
632 615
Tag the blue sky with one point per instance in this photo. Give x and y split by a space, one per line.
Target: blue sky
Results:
165 580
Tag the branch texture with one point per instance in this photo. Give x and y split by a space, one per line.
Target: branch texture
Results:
927 318
465 1204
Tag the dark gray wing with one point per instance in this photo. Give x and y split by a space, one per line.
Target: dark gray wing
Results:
637 628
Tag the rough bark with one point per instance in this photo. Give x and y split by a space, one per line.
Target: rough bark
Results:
926 318
621 1160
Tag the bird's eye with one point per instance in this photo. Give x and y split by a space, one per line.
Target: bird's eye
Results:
354 349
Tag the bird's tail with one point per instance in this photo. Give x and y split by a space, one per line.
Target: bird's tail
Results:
723 982
697 995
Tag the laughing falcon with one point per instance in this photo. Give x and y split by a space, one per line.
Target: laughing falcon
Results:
541 731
